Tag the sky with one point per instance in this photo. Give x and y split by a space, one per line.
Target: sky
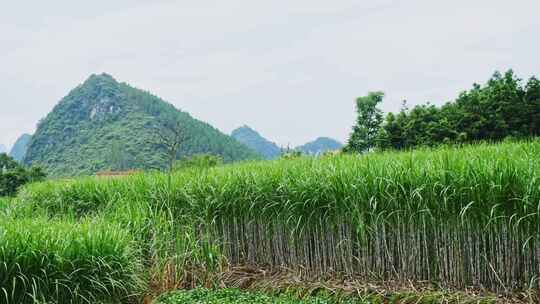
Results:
289 69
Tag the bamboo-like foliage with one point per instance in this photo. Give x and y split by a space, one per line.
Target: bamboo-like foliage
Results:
456 216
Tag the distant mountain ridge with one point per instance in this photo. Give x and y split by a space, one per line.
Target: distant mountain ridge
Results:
320 145
256 142
18 151
3 149
106 125
270 150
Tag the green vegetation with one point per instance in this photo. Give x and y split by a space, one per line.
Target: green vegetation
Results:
199 161
453 216
234 296
368 121
105 125
4 203
255 141
503 107
446 216
487 175
18 151
13 175
58 262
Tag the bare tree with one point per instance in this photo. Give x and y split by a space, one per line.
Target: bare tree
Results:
170 136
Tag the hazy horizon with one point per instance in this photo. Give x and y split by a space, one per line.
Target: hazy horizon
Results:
291 71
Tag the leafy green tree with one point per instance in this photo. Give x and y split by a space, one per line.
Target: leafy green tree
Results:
501 108
532 110
491 111
369 119
13 175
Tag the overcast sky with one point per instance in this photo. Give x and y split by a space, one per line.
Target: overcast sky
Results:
290 69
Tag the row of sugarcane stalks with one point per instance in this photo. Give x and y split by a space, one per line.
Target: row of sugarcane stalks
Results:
499 256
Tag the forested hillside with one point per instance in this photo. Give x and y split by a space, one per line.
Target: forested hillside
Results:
18 151
106 125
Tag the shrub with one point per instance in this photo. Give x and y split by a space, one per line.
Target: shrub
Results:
200 161
13 175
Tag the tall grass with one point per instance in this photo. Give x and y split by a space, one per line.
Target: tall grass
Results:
57 262
459 217
4 205
446 181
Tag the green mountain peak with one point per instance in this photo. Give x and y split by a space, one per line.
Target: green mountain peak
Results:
320 145
106 125
256 142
